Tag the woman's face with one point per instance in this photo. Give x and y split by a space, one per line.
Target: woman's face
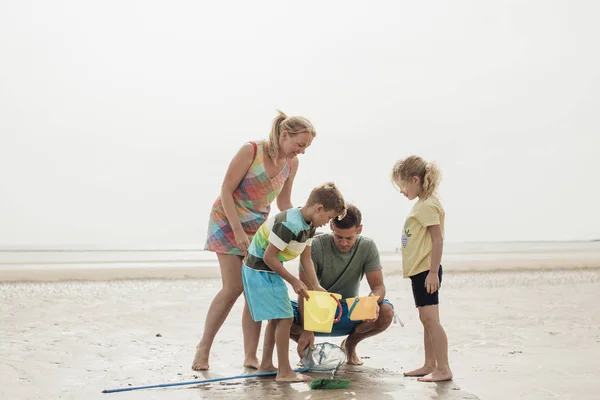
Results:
292 145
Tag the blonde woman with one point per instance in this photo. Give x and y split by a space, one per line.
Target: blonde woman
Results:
259 173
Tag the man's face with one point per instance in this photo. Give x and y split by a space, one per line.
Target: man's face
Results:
345 239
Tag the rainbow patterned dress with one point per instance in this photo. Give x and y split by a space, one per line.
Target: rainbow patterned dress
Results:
253 198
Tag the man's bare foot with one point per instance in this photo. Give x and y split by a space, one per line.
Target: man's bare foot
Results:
268 368
351 356
200 362
437 376
420 371
293 377
251 362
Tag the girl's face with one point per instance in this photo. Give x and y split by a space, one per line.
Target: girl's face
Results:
411 187
292 145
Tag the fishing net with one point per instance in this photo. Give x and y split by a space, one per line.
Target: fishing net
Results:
325 357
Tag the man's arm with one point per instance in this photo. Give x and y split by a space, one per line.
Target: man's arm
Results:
307 338
375 280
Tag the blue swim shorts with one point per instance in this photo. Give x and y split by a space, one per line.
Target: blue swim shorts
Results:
266 294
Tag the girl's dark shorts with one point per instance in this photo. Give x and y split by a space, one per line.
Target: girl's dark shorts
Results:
422 298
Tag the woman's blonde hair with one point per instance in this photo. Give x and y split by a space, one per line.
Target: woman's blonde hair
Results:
293 126
429 174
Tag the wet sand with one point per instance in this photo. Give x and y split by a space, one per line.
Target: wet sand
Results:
512 335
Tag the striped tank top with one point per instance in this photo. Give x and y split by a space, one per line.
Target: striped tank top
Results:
252 198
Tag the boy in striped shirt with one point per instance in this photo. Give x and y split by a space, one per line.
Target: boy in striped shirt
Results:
281 238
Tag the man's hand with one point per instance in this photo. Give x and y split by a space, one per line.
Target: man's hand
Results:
376 316
307 339
320 288
432 282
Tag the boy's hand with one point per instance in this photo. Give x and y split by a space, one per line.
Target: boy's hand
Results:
432 282
300 288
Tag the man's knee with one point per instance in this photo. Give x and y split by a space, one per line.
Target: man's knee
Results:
296 329
386 316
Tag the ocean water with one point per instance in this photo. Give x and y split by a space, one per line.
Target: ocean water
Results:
24 258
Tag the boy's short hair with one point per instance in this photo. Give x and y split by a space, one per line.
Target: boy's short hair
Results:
329 196
352 219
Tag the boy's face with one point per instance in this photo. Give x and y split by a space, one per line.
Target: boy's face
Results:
322 217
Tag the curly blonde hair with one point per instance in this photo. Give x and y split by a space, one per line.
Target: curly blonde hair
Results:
293 126
429 174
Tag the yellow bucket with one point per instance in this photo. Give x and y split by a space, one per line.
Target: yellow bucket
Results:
362 308
319 311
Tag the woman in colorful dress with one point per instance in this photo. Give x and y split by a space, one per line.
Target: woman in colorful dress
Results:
259 173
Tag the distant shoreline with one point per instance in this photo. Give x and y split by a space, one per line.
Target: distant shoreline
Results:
143 271
162 248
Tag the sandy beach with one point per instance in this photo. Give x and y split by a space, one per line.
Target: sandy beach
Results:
514 334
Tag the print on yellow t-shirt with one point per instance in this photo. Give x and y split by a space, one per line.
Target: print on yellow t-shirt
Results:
416 241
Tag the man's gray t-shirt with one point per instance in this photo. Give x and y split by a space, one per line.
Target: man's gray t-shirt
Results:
342 272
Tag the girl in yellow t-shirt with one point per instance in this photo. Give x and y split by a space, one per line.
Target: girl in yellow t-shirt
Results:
422 243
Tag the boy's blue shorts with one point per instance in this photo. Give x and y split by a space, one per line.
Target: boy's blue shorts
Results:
342 328
266 295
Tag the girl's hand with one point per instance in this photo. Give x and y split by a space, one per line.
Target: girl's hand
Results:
241 240
432 282
300 288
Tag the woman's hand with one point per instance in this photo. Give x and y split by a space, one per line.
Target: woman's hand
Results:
241 240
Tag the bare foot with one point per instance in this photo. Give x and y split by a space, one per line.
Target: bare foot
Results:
293 377
351 356
251 362
200 362
420 371
268 368
437 376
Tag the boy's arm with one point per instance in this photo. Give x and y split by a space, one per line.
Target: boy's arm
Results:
273 262
308 270
374 273
432 282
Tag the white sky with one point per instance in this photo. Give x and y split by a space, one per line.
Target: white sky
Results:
119 118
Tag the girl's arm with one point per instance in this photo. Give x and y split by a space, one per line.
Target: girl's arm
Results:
238 167
432 282
284 200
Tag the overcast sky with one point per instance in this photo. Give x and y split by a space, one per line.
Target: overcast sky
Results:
118 118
